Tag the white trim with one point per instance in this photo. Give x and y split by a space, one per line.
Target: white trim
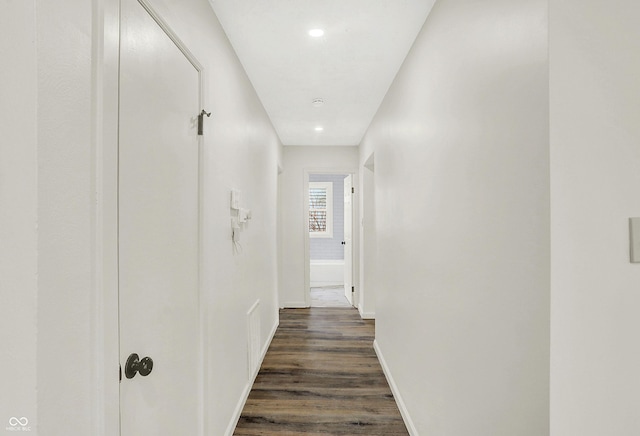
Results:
105 337
253 321
295 305
396 392
367 315
247 389
356 234
97 224
173 36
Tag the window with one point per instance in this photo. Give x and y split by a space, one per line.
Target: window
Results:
320 209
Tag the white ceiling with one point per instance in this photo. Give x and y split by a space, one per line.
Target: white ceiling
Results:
350 67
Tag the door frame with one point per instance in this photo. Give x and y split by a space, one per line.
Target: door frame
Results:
105 404
355 228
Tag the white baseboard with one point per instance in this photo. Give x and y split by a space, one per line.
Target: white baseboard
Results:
247 389
295 305
367 315
396 393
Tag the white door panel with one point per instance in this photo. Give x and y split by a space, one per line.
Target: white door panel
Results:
158 228
348 244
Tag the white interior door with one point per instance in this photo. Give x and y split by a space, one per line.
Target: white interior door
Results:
348 231
158 230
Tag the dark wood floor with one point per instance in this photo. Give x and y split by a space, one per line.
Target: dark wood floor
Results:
321 376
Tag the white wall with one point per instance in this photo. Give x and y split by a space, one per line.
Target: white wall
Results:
18 203
241 151
462 218
293 291
595 188
59 180
65 221
368 239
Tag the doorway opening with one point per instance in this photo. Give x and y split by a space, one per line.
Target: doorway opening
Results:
330 240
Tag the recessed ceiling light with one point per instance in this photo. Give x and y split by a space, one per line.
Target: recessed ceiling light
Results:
319 129
317 102
316 33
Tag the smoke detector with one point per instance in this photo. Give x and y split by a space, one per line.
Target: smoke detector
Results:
317 102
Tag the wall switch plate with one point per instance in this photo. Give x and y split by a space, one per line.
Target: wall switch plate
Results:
235 199
634 239
235 223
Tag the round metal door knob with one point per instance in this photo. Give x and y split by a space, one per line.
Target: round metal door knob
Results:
134 365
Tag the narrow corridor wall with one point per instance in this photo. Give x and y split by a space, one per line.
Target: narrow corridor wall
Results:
66 175
241 150
595 188
462 217
18 213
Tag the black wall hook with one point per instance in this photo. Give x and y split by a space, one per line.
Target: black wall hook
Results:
201 119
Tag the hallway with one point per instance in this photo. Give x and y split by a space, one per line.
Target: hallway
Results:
155 173
321 376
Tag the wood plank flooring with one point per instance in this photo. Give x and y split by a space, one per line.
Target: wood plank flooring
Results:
321 376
